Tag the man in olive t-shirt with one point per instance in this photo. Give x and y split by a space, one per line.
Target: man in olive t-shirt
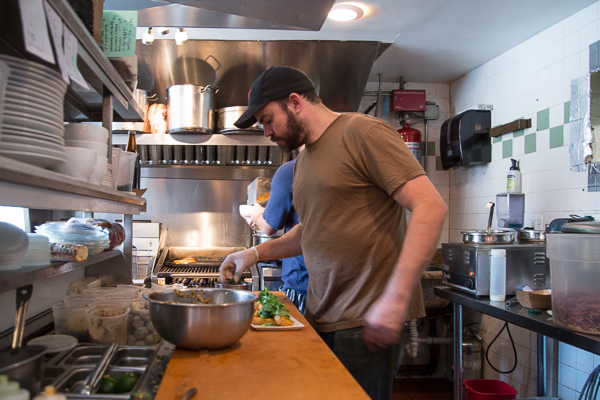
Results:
352 184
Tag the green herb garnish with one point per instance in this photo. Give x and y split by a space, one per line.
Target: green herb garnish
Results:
271 306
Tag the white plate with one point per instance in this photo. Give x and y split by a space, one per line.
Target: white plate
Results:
18 83
297 325
39 112
36 93
54 343
55 109
8 138
21 130
36 116
39 160
20 64
34 123
33 149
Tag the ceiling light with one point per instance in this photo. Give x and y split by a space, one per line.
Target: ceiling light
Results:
181 36
148 36
345 12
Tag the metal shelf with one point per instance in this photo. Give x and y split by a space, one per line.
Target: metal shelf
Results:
25 185
20 277
216 139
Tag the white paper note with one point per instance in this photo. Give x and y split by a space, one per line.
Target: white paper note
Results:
35 31
56 29
70 47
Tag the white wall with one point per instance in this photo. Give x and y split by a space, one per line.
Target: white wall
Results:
524 82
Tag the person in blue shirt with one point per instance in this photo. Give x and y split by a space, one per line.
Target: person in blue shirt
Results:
280 214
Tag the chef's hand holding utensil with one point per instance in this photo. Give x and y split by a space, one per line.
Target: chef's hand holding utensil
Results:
236 263
384 323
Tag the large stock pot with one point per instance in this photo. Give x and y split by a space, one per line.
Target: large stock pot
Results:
191 108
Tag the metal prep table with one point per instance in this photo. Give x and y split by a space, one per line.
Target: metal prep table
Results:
517 315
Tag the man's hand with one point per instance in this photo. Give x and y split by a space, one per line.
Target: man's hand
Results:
236 263
385 321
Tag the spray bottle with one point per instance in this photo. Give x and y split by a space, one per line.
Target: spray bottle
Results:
513 179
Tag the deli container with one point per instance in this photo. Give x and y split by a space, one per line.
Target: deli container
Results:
574 270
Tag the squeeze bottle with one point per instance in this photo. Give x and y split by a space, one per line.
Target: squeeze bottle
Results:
513 179
497 274
49 393
10 390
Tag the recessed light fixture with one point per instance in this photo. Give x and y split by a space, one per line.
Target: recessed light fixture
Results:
345 12
181 36
148 36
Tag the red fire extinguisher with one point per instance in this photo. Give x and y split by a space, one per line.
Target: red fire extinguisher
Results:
412 138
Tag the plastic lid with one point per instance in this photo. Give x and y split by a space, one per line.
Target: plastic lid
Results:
8 388
55 343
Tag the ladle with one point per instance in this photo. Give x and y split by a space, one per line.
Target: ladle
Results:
490 205
87 385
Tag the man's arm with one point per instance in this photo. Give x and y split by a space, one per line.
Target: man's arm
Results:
386 316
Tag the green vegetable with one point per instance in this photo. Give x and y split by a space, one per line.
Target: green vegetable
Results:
126 383
271 306
232 281
107 385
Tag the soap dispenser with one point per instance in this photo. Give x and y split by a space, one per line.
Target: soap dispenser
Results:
513 179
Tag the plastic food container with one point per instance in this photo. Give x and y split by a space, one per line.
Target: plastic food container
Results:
124 178
489 389
574 270
107 322
140 330
70 319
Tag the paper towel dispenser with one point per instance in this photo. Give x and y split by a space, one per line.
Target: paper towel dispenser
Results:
465 139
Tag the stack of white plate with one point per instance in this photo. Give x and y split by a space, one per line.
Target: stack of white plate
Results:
94 239
38 252
13 246
32 121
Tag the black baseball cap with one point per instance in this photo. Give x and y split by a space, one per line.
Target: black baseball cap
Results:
275 83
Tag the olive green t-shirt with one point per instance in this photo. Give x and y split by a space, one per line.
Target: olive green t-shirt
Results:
352 228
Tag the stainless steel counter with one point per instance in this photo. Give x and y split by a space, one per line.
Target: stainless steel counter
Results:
517 315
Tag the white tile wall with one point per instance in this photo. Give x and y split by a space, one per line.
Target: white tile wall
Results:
533 76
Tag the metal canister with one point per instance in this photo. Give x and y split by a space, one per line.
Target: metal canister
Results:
191 108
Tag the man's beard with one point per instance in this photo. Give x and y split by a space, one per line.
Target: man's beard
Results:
295 134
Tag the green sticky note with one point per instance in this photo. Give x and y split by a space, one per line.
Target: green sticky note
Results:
118 33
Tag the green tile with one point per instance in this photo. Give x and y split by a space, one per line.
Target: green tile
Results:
518 133
567 112
556 137
497 139
507 148
431 146
530 143
543 119
438 163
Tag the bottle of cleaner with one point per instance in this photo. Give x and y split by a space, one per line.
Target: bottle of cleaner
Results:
513 179
11 390
497 275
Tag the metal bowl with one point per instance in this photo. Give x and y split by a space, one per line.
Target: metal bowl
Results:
201 318
237 286
491 237
530 235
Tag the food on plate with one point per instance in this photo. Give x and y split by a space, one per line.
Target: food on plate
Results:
269 311
68 252
186 260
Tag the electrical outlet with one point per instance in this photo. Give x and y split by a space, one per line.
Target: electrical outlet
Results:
537 222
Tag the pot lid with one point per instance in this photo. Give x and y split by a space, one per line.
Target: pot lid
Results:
581 227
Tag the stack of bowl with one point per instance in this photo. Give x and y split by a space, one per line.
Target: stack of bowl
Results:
14 243
87 152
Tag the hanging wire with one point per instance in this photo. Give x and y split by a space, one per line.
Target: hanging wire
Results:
513 347
590 388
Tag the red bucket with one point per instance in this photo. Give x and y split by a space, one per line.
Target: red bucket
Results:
489 389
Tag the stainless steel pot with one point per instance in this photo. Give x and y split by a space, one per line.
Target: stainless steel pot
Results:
259 237
489 237
530 235
226 118
191 108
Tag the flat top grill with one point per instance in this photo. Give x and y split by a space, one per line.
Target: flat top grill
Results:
203 272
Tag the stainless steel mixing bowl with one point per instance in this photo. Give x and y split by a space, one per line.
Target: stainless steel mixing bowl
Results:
201 318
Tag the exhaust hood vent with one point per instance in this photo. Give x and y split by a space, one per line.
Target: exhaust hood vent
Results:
340 70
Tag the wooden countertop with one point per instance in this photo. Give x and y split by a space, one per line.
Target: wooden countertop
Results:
261 365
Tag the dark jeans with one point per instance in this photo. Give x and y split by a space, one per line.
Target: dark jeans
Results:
297 298
374 371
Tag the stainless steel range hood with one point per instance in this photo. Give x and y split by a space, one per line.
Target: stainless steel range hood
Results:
339 69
